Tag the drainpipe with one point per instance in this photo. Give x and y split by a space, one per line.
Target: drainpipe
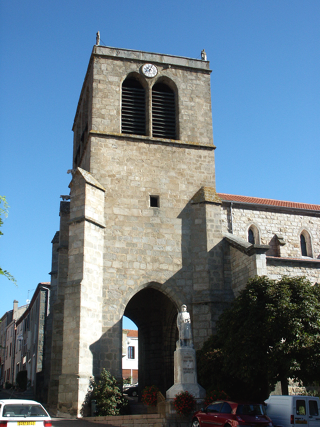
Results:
231 217
13 355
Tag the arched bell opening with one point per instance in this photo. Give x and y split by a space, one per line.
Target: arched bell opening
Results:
155 316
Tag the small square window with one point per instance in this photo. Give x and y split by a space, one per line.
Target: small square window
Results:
154 201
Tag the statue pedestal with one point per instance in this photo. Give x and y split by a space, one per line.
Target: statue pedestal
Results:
185 374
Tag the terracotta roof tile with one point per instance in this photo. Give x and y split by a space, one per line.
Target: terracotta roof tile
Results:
132 333
267 202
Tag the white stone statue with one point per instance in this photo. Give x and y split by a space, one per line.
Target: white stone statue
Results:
184 327
185 366
98 38
203 55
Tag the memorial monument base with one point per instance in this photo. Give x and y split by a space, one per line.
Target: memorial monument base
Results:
185 374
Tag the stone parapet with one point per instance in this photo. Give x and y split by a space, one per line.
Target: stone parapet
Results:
139 55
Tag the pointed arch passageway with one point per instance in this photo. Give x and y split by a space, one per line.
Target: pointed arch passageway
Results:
155 315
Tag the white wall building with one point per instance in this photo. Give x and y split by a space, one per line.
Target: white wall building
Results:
130 355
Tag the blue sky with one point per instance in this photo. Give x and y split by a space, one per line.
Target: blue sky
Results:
265 61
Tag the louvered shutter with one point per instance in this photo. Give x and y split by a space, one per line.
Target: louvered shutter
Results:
133 112
163 112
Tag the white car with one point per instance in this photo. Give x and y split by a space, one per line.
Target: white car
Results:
18 412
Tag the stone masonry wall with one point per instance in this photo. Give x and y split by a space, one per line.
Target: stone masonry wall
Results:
119 245
271 223
191 78
83 310
59 281
276 271
145 244
243 267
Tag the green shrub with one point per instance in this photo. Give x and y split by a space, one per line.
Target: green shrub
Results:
110 400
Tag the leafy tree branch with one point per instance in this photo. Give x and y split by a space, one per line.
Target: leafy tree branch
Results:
4 213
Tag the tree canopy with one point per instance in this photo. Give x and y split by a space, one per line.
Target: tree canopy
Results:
4 212
270 333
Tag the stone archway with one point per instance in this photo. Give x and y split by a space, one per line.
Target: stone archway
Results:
155 315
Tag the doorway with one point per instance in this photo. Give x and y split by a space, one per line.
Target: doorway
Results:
155 316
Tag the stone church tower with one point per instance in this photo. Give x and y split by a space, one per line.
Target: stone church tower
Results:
132 240
144 231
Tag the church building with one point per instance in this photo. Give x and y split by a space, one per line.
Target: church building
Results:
144 229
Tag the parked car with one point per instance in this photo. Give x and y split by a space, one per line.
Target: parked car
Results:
132 390
291 411
19 412
232 414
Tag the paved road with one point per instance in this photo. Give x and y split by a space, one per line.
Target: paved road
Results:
63 422
56 422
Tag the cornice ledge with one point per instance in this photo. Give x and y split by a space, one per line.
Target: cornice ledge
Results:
151 139
244 246
83 218
285 260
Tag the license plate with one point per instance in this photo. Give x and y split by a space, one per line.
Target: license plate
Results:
26 423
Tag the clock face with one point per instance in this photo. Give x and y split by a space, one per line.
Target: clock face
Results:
149 70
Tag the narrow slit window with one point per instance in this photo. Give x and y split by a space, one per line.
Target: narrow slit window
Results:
251 236
303 245
154 202
133 110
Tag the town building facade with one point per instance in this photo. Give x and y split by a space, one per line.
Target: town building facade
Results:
30 340
144 230
22 334
9 343
130 355
5 321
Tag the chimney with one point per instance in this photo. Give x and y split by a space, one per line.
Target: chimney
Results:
15 307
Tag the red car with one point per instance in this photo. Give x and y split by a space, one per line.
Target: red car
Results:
231 414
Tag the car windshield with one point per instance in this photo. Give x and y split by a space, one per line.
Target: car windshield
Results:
23 410
250 409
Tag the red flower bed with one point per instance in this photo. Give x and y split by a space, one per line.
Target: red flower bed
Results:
149 395
184 403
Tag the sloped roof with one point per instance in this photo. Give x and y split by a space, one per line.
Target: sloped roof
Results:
132 333
267 202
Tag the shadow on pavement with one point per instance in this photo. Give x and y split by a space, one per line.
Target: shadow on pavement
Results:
61 422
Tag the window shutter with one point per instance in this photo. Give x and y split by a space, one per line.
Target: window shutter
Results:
133 112
163 112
